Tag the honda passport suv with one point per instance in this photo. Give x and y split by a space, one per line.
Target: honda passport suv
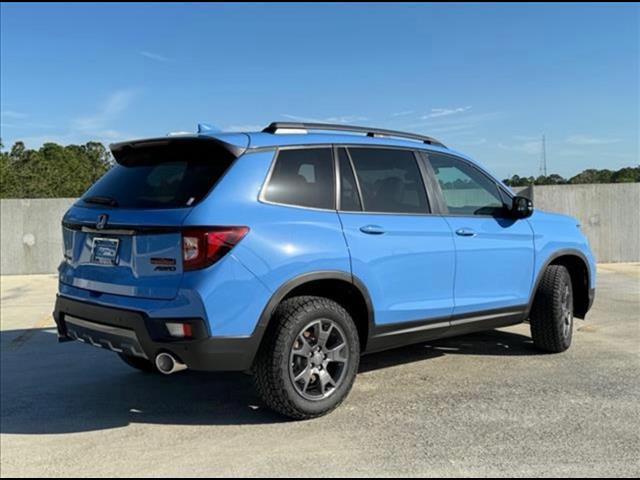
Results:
290 252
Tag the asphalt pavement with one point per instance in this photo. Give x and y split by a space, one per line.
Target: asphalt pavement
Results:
486 404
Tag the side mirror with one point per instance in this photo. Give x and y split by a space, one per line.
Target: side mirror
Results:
522 207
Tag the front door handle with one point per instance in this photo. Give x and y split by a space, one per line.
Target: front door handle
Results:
372 229
465 232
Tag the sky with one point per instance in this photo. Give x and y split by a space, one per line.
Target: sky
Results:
486 80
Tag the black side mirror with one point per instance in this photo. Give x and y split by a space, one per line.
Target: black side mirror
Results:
521 207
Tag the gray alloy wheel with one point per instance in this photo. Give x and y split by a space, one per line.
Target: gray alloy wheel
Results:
567 312
308 359
319 359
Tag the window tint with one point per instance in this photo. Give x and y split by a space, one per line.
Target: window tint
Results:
390 180
466 190
303 177
169 176
349 198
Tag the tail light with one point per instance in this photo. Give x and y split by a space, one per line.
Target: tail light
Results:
202 247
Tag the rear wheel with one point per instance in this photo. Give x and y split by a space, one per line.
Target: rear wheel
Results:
308 361
551 316
138 363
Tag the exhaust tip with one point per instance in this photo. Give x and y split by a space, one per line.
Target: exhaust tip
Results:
167 364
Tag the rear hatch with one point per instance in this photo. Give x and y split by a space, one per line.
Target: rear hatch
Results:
124 235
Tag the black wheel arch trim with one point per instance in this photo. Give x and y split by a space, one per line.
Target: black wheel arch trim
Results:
295 282
565 252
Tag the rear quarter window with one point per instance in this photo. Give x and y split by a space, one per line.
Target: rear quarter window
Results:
302 177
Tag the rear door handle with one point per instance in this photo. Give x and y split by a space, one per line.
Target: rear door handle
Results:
465 232
372 229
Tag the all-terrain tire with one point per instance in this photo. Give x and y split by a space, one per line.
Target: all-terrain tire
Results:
551 317
271 371
138 363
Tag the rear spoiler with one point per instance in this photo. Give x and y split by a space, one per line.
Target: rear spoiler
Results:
121 149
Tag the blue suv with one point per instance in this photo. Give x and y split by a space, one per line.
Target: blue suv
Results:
290 252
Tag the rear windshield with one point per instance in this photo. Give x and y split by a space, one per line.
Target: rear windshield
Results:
166 176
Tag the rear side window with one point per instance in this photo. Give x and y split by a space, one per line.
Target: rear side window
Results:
302 177
389 180
166 176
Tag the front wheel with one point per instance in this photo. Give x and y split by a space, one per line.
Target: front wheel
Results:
308 361
551 316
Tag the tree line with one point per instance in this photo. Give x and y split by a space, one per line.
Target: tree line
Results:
52 170
68 171
591 175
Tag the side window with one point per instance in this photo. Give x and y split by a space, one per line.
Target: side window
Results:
389 180
349 197
466 190
303 177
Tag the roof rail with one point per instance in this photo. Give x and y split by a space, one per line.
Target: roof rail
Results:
370 132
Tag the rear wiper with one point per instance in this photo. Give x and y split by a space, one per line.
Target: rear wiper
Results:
112 202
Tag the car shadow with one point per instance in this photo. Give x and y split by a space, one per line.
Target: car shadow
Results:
491 343
51 388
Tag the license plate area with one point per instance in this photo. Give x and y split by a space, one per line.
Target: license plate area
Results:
104 251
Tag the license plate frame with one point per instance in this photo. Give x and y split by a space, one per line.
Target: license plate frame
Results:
104 251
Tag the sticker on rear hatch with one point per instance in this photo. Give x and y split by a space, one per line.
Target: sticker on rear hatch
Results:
104 251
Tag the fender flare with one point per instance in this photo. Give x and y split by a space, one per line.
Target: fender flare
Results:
301 279
554 256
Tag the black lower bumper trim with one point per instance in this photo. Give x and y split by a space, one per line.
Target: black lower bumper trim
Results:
134 333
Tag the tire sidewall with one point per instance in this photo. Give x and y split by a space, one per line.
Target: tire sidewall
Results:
302 319
559 319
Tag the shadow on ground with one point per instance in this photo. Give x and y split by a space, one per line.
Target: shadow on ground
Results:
50 388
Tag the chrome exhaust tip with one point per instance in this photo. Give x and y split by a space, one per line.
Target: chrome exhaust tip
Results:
167 364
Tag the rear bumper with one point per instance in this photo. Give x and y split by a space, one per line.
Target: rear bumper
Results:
134 333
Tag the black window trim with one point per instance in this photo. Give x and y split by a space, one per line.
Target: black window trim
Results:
274 160
442 202
338 172
435 198
355 179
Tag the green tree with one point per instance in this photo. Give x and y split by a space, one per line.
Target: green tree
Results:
591 175
51 171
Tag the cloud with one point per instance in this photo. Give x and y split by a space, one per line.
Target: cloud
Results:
453 128
466 124
115 104
333 119
445 112
23 125
17 120
473 142
13 114
403 113
154 56
97 126
587 140
346 119
530 146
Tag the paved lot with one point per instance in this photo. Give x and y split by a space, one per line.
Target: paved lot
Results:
484 404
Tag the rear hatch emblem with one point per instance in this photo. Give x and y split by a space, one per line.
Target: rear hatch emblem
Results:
102 221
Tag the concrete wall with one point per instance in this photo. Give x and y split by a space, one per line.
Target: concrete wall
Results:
609 215
30 235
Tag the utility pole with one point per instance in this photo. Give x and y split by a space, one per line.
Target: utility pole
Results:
543 157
